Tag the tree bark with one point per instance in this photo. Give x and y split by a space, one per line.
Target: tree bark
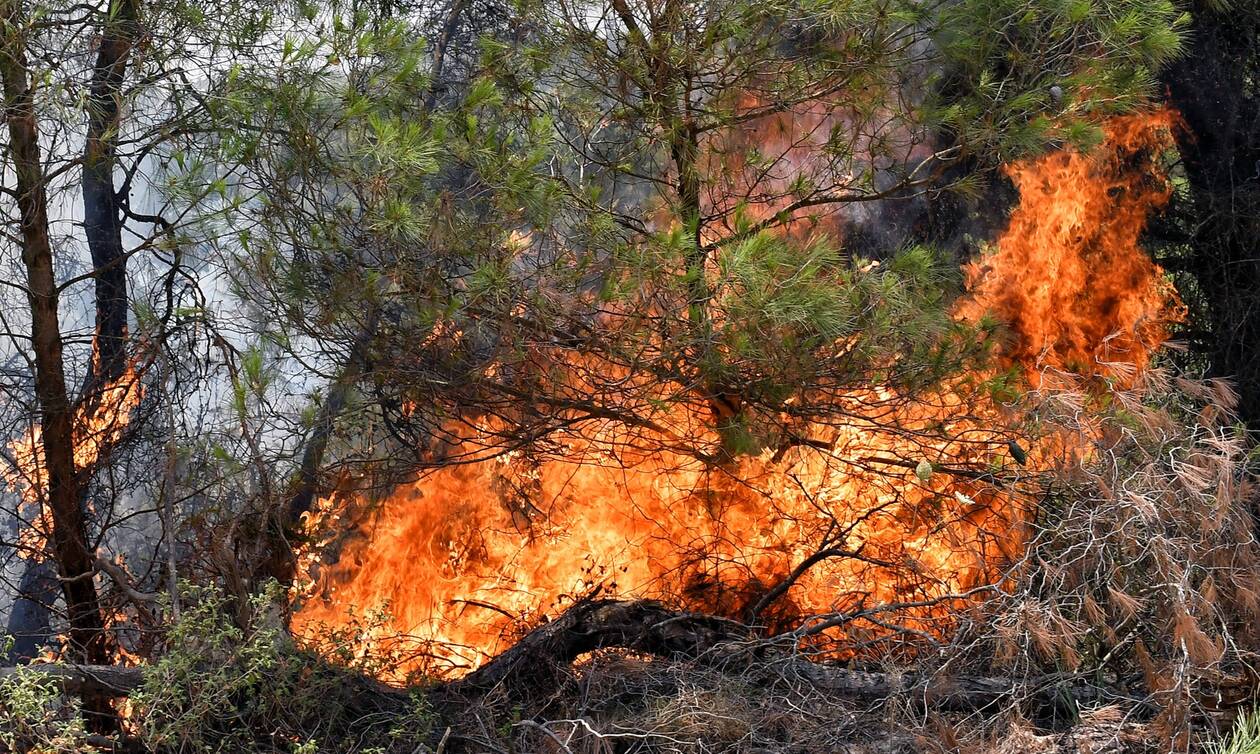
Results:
102 205
30 616
109 680
60 490
103 228
1213 88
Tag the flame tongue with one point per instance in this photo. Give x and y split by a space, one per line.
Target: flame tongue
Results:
1068 276
466 557
462 568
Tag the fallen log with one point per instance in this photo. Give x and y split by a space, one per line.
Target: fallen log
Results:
530 665
112 680
536 665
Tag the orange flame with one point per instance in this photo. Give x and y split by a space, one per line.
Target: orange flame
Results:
98 426
1068 276
466 558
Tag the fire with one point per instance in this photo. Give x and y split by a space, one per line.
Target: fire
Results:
461 561
1068 276
98 426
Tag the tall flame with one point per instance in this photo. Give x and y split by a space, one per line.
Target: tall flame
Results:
467 557
1068 276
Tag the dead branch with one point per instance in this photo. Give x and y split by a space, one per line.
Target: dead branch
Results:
642 626
535 666
783 586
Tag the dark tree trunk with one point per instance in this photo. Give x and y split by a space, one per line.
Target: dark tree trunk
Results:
285 529
1216 86
102 205
29 623
29 619
529 668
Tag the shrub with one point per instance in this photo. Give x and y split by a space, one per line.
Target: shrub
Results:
221 686
35 717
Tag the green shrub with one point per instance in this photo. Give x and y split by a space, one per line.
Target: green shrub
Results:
219 687
1243 739
35 717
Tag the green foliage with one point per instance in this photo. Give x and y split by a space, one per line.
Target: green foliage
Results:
230 680
661 194
785 308
766 282
197 696
1243 739
355 178
36 717
1021 74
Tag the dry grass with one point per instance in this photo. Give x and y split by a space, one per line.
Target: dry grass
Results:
628 704
1143 571
1140 585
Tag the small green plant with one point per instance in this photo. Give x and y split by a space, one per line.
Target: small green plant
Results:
35 717
213 673
231 680
1243 739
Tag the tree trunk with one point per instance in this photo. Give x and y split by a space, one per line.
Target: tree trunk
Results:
60 490
1213 87
30 615
102 205
684 150
725 402
103 228
284 527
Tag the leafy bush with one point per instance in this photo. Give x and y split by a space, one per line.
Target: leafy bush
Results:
230 680
197 696
35 717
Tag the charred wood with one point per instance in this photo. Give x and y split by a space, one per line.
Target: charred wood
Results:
102 205
538 664
531 665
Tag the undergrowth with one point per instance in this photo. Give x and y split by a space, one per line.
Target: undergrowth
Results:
1136 603
221 687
